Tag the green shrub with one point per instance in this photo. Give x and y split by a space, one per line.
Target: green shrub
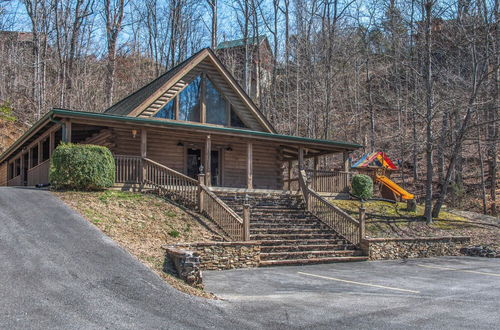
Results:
82 167
362 186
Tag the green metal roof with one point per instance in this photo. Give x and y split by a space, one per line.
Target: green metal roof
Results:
177 124
241 42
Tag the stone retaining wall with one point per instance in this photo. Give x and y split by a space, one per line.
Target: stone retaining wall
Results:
420 247
223 255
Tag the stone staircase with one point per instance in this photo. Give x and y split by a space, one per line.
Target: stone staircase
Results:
290 235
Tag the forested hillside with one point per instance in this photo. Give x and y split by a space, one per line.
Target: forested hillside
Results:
417 79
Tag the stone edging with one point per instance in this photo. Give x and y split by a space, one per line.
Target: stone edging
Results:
413 247
220 255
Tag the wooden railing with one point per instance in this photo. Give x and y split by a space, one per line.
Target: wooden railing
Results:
335 218
15 181
329 181
214 208
128 169
184 190
39 174
170 183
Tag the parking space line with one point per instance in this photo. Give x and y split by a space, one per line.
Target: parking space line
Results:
459 270
359 283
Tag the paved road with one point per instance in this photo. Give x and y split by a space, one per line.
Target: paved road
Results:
59 271
439 293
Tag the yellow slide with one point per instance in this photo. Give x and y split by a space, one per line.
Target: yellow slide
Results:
394 187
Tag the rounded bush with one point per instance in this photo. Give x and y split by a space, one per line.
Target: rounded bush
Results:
82 167
362 186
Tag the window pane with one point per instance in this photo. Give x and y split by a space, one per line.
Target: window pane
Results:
167 112
189 101
236 121
216 105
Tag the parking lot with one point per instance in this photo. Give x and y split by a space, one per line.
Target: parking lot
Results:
449 292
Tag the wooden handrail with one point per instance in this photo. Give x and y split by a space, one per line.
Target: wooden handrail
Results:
185 177
218 211
185 190
332 216
38 165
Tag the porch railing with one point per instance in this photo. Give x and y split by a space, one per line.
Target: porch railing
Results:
128 169
214 208
15 181
330 181
183 189
323 181
335 218
39 173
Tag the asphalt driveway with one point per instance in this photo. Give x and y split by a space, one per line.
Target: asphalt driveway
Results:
57 271
438 293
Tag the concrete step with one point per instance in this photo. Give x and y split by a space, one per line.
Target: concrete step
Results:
308 254
284 230
267 263
294 242
263 237
306 247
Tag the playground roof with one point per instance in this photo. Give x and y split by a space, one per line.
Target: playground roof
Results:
375 160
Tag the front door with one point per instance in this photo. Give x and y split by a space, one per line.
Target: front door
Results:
193 162
215 168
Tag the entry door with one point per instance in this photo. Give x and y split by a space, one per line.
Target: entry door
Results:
215 168
193 162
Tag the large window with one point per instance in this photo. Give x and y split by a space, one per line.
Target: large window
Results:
236 121
168 111
189 101
215 105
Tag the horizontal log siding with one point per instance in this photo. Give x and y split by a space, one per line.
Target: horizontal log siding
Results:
126 144
266 167
162 148
3 174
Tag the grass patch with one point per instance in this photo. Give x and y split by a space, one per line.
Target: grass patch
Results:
140 223
385 219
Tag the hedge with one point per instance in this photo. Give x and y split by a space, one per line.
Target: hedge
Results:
82 167
362 186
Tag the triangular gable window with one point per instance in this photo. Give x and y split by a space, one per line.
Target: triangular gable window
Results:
189 101
236 121
216 105
167 112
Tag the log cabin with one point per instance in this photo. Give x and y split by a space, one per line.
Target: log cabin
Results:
194 118
194 136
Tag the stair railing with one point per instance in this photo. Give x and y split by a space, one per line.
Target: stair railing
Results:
214 208
184 190
348 227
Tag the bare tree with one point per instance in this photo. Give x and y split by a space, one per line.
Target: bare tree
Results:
113 13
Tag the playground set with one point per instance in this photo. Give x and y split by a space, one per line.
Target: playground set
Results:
379 167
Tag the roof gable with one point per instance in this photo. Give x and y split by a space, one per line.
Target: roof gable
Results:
148 100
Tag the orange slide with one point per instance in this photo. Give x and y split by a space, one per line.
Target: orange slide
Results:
394 187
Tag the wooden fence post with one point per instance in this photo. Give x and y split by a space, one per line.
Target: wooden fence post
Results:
362 220
246 222
201 180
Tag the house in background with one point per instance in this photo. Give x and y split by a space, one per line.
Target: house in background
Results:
194 135
261 62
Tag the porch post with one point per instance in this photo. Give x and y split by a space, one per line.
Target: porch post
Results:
208 161
301 158
249 165
346 161
290 174
51 143
315 165
144 153
23 178
67 131
40 152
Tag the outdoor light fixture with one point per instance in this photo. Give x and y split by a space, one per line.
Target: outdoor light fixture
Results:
229 148
180 144
134 133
